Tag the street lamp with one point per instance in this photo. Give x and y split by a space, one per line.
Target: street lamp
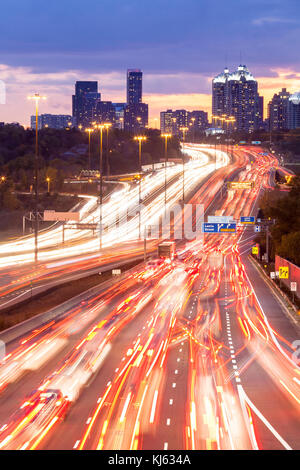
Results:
166 137
89 132
36 98
193 124
48 182
140 139
107 125
2 179
101 127
183 130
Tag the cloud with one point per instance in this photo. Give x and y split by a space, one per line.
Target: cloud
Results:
272 20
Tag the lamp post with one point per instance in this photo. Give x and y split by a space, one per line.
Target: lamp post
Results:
183 130
48 183
36 98
107 125
193 124
166 137
140 139
89 132
101 127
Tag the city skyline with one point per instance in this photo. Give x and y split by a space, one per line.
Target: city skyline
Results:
178 62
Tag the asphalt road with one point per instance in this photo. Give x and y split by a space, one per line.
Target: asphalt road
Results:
193 354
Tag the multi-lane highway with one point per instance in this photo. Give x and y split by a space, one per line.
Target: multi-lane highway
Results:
190 354
79 253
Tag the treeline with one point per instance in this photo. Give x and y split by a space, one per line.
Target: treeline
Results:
284 208
64 153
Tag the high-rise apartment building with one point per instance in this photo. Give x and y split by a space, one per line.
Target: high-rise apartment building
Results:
52 121
278 109
136 112
136 117
171 121
236 94
294 111
134 86
166 121
85 102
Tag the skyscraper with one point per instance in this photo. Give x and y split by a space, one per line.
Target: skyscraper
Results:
278 110
136 112
219 93
294 111
236 94
134 86
85 102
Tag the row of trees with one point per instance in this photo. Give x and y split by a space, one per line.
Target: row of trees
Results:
64 153
285 209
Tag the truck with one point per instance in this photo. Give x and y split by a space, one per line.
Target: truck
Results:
166 250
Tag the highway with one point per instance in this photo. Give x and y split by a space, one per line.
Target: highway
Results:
80 253
195 353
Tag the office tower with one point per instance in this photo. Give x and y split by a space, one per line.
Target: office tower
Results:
236 94
84 103
52 121
120 114
278 111
134 86
294 111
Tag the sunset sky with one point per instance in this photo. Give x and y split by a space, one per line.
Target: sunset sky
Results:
180 45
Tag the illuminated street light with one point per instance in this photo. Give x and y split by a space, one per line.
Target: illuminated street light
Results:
183 130
89 130
140 139
107 126
100 127
48 182
36 98
166 137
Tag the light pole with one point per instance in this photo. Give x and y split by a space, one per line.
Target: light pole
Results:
183 130
107 125
101 127
166 137
36 98
140 139
193 124
89 132
48 183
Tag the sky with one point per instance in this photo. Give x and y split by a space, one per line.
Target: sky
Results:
179 44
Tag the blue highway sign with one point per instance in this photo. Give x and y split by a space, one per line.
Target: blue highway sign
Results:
219 228
247 220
